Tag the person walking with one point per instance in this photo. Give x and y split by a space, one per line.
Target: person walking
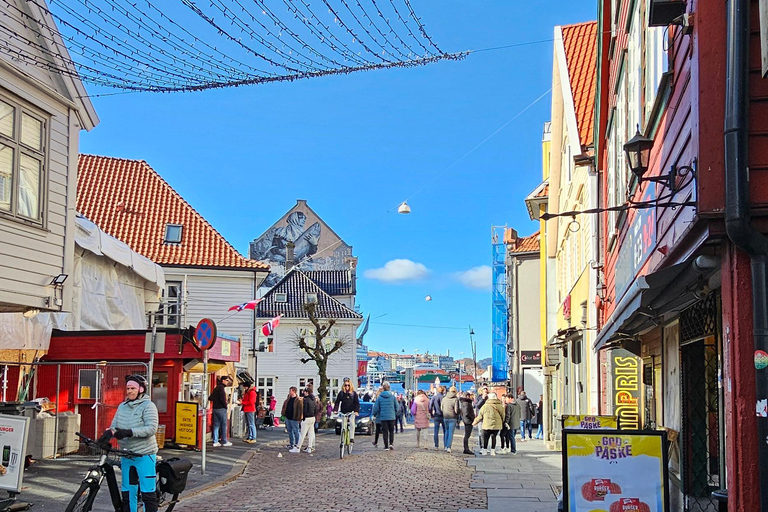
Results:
435 409
248 402
309 408
504 434
376 419
480 401
492 415
293 411
539 418
400 420
134 426
450 409
420 412
220 406
512 420
526 413
272 408
386 409
467 416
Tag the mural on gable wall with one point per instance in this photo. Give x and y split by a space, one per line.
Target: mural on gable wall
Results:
317 247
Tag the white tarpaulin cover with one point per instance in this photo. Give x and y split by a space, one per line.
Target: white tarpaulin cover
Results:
113 289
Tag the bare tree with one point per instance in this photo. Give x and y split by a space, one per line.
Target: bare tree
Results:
316 349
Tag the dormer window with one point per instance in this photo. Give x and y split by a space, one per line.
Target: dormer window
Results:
310 298
172 234
281 297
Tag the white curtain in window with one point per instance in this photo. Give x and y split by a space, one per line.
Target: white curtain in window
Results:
6 119
29 187
6 177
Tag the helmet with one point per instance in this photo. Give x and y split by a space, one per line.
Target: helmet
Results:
142 380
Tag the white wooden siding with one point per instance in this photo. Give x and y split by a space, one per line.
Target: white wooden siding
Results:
284 363
209 293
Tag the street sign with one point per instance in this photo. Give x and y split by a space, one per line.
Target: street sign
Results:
205 333
186 423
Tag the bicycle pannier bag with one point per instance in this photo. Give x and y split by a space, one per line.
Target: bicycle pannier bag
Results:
173 474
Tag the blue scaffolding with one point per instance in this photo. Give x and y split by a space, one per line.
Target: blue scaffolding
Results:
500 312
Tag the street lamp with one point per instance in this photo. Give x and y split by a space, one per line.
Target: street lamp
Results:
473 346
461 381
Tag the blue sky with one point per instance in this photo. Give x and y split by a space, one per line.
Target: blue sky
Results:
355 146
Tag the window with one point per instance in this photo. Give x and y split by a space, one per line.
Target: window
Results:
170 311
265 386
310 298
334 386
656 64
634 74
160 391
266 344
281 297
88 384
303 381
23 155
172 234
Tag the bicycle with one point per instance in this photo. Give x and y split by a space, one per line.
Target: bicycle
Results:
348 423
168 487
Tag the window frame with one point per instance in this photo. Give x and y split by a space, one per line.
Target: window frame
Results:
281 297
169 309
262 387
168 227
19 148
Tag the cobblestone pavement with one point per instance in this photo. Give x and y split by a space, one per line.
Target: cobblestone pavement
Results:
405 479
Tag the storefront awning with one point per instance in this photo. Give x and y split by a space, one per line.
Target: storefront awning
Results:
648 299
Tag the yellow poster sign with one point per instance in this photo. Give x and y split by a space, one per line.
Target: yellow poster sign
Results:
589 422
601 471
186 423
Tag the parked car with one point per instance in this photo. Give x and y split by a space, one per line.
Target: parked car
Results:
363 423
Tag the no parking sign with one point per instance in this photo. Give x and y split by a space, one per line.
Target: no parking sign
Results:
205 333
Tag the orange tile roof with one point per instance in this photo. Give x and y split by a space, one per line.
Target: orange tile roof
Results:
580 43
527 243
130 201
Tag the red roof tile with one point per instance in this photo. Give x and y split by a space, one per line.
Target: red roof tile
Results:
580 43
130 201
527 244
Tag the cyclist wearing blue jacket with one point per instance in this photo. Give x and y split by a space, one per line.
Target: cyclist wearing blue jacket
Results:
134 426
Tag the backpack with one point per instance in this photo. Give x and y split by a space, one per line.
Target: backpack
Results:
173 474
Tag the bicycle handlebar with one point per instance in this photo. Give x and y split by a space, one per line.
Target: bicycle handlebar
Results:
119 451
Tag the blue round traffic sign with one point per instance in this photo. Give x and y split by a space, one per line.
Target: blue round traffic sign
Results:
205 333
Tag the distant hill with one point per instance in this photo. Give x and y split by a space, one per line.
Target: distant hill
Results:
485 363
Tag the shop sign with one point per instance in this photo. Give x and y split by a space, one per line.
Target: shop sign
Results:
14 431
625 372
637 246
186 423
601 471
590 422
532 357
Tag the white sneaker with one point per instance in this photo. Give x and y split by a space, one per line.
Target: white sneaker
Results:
308 450
216 445
483 451
493 452
294 450
227 444
448 450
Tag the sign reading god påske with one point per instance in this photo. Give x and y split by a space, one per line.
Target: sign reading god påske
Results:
601 468
590 422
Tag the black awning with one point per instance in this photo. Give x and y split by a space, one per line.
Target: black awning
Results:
648 299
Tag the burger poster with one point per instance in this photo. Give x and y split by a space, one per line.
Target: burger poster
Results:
13 440
601 468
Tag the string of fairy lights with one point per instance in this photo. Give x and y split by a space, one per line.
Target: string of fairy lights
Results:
193 45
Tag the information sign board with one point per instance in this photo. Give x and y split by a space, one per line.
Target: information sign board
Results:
186 423
13 440
601 468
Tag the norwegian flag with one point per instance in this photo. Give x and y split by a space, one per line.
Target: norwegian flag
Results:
268 328
251 304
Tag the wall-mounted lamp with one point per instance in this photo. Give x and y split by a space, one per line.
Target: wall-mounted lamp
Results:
31 313
404 208
59 280
638 151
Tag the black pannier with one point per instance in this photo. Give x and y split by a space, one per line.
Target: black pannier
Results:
173 474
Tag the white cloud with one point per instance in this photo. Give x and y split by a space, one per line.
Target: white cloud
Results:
398 271
477 278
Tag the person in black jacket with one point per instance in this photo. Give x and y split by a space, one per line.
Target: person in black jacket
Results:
347 401
219 403
467 416
308 423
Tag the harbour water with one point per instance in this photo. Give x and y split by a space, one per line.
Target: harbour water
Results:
397 387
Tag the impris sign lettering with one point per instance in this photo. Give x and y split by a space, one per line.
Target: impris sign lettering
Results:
626 389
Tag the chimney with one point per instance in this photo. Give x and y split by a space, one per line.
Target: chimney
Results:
289 255
511 238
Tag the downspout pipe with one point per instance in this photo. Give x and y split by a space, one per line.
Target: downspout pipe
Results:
737 204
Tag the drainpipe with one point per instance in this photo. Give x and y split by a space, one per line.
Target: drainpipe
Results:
737 207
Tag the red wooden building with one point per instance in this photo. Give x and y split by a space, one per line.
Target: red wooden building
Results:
177 374
683 268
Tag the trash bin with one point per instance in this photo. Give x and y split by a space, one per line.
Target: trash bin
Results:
721 496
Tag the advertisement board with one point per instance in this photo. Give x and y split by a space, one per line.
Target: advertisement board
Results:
186 423
13 440
601 468
590 422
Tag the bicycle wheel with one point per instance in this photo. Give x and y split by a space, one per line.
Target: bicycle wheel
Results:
344 443
350 444
170 499
83 499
